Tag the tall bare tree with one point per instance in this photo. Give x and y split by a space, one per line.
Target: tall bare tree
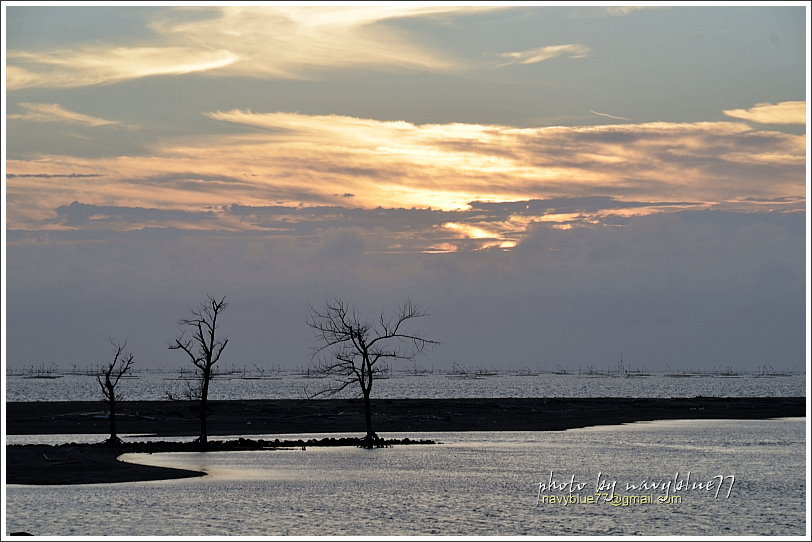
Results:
108 379
204 348
350 347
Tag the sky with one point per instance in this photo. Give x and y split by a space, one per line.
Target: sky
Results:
556 186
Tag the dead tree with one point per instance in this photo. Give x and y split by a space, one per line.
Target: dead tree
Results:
350 347
203 348
108 380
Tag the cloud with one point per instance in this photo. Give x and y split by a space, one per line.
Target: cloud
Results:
292 161
40 112
767 113
99 64
621 10
479 162
244 41
50 176
607 115
582 205
611 11
386 230
540 54
113 217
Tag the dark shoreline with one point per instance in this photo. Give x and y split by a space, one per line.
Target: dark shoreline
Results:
80 463
279 416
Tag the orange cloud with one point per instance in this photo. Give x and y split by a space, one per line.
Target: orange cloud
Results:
767 113
305 160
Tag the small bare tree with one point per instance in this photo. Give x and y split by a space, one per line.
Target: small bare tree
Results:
203 348
108 379
350 347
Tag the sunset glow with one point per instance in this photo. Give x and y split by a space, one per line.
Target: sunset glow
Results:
516 229
534 155
310 160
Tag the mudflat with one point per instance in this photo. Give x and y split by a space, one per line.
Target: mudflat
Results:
82 463
252 417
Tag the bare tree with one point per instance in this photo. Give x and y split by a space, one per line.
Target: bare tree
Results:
350 347
108 380
203 348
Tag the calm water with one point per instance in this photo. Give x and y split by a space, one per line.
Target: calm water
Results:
154 386
472 484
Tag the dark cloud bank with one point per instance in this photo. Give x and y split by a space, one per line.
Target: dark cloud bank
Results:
689 289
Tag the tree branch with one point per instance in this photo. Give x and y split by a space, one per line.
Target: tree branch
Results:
356 346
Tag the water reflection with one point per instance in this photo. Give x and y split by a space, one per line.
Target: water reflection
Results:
475 483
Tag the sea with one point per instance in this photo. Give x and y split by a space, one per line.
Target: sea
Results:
664 478
675 477
157 386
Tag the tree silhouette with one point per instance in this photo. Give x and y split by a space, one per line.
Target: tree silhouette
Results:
351 347
204 349
108 380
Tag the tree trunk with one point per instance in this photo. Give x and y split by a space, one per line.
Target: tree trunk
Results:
204 397
113 435
111 404
371 437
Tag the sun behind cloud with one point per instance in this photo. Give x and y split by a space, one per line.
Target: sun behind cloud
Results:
298 162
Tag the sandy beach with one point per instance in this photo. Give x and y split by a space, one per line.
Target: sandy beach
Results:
81 463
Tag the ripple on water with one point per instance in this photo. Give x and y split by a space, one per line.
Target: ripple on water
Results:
474 484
